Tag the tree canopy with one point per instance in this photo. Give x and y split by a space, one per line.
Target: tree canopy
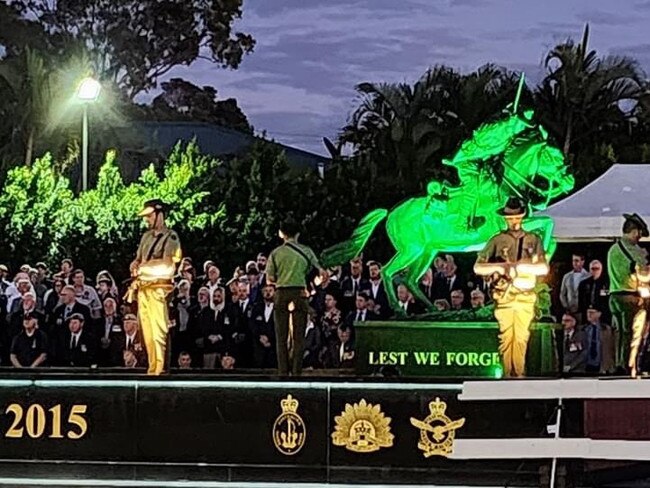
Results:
134 42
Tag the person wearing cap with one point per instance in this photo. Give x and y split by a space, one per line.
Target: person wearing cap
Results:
128 339
515 258
106 285
77 346
69 305
29 348
154 268
627 263
27 308
66 267
600 357
287 268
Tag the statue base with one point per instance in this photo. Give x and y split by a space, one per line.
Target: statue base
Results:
446 349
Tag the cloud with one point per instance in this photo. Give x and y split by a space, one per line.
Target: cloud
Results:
607 18
299 83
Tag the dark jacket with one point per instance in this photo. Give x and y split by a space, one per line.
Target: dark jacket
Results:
118 346
381 299
83 355
57 323
263 357
222 323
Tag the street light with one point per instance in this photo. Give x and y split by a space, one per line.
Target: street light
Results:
87 92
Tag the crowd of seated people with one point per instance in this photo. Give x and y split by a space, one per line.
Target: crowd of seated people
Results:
61 318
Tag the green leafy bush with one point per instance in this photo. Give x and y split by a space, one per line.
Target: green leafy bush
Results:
41 217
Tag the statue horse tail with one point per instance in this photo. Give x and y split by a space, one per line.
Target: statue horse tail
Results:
345 251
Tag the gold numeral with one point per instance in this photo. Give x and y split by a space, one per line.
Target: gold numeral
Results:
76 418
15 431
36 421
56 422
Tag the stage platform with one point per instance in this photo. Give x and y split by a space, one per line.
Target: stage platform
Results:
213 431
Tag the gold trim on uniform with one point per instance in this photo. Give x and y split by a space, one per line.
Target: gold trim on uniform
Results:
437 431
289 431
362 427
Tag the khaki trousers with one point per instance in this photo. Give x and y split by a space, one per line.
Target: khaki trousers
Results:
514 312
154 322
286 337
628 319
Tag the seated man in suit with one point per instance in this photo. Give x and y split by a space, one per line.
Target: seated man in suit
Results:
342 353
128 338
451 280
406 301
575 346
352 285
77 346
361 312
263 329
69 306
105 328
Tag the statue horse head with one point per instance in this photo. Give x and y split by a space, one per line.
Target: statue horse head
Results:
535 171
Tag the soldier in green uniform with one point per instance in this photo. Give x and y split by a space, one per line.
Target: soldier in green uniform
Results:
153 270
627 266
287 268
514 258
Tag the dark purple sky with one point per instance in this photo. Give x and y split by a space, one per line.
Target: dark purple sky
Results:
298 85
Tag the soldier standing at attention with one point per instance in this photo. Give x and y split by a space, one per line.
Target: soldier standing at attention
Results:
516 257
153 270
287 268
627 267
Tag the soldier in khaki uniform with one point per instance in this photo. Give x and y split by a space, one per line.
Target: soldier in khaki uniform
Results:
514 258
153 270
287 268
627 267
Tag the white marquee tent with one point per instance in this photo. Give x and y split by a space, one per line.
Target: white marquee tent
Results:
595 213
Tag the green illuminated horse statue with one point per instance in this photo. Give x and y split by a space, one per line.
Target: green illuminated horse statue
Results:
510 157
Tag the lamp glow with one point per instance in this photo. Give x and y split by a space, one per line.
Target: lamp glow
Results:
88 90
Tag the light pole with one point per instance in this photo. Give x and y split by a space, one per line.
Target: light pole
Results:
87 92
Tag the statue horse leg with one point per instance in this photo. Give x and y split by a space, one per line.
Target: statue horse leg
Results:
544 227
402 260
415 272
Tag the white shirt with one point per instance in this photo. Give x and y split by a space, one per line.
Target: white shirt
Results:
108 325
74 339
243 304
130 339
375 287
404 305
268 311
360 316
